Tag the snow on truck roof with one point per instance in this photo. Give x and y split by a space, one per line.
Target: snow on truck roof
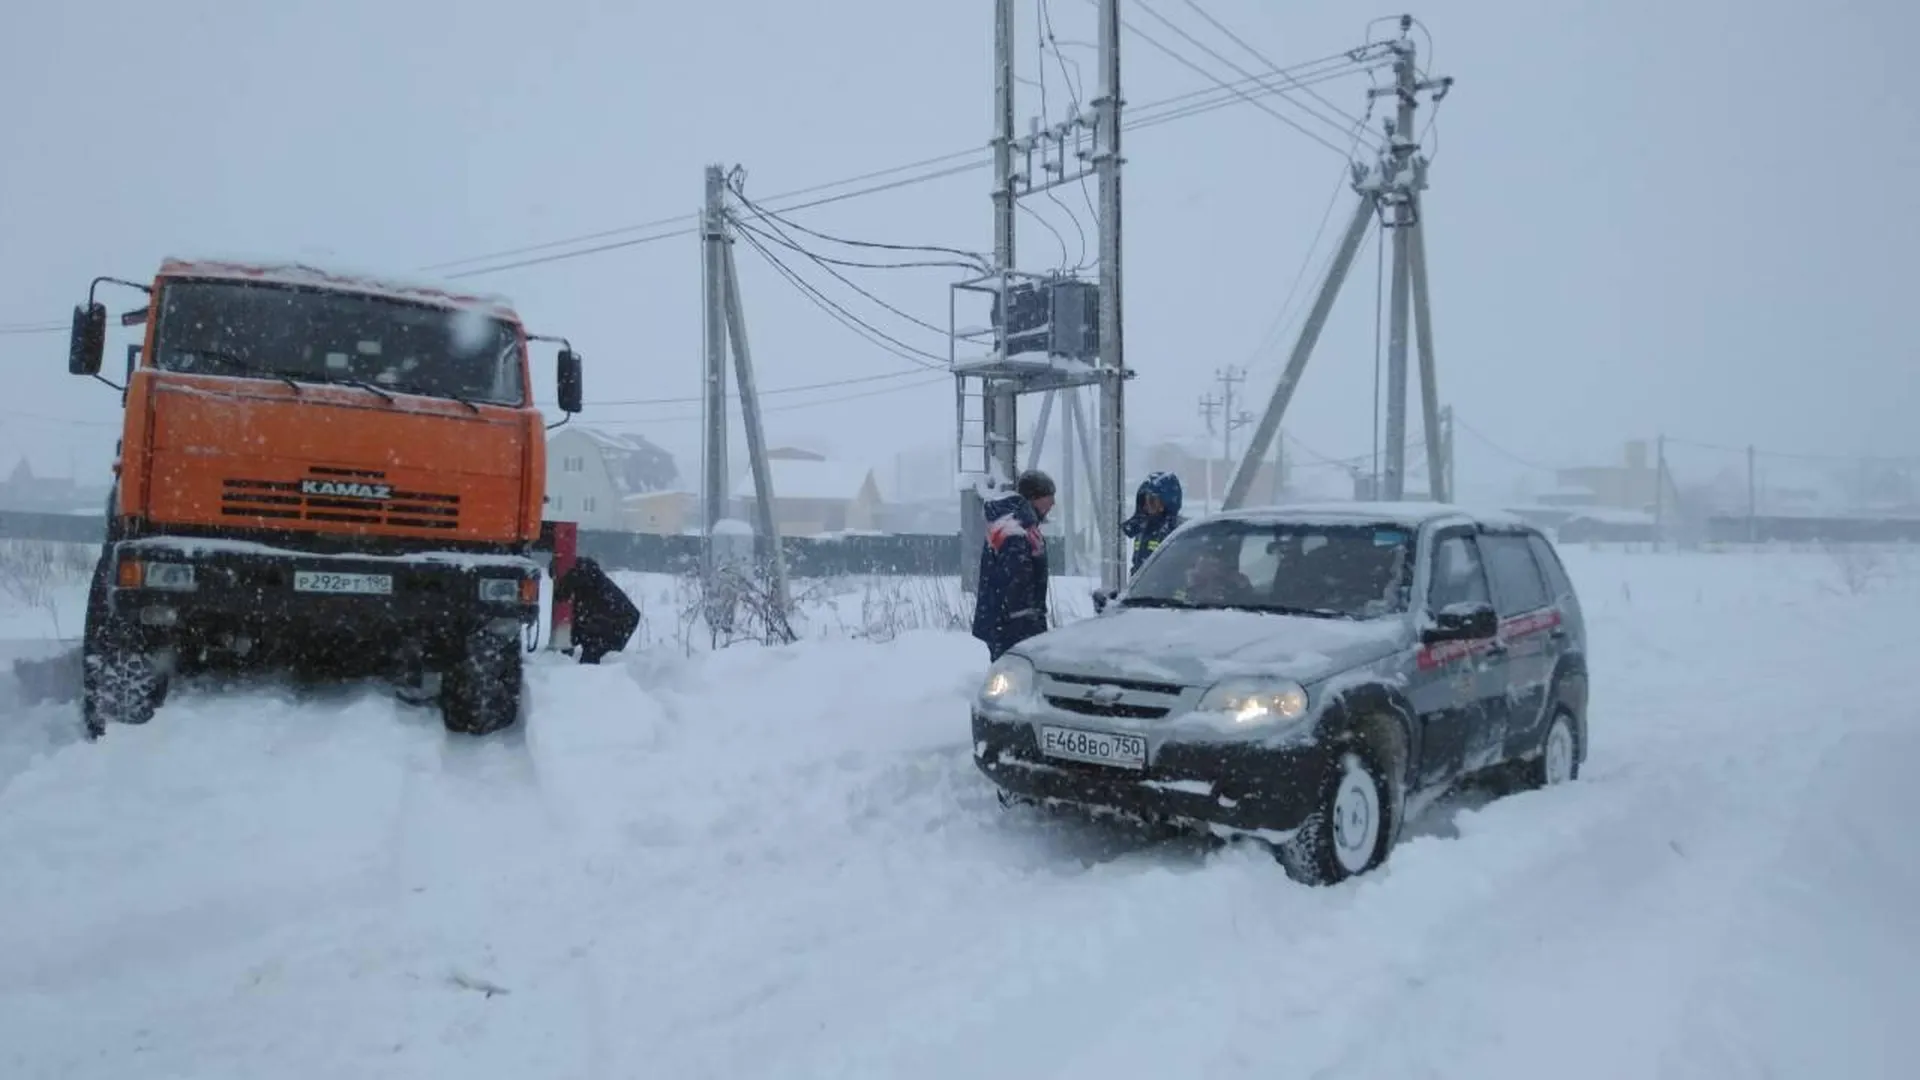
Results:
423 291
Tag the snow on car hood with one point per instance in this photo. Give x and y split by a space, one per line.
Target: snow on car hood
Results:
1199 648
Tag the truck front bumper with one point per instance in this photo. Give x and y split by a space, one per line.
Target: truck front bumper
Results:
259 590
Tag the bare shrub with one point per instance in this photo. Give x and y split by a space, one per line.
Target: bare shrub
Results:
742 605
33 573
1858 566
891 606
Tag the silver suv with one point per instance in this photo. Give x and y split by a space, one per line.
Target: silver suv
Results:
1299 674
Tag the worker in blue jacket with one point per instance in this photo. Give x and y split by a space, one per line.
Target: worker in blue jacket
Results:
1156 512
1010 602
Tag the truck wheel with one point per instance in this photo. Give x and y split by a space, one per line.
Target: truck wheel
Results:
1351 829
120 684
480 692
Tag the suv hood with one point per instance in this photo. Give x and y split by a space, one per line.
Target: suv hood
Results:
1199 648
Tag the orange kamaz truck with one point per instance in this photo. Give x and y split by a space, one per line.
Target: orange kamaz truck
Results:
318 471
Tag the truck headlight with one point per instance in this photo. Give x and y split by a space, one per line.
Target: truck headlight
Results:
1254 702
173 577
500 590
1009 681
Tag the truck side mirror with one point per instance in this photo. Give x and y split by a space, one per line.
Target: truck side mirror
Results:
133 359
570 400
87 348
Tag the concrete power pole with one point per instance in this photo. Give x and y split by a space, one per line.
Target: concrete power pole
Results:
726 322
1232 421
713 457
1054 332
1209 405
1113 450
1392 185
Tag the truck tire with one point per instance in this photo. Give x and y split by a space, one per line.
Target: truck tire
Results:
120 683
480 692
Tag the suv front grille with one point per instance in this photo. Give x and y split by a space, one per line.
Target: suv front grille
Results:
289 500
1117 709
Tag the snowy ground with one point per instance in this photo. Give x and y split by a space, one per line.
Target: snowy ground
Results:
781 863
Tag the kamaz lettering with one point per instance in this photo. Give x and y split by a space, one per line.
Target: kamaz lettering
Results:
346 489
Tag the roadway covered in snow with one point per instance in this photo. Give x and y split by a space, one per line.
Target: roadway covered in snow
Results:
782 863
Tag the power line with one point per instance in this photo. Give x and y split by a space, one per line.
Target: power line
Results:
697 399
737 186
1177 107
922 383
845 280
840 314
1224 84
1262 57
1153 114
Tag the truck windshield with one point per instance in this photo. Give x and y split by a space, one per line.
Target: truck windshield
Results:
312 335
1326 571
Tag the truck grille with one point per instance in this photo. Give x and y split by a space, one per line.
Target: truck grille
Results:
344 496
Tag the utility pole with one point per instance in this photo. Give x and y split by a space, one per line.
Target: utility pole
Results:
713 467
726 321
1753 500
1390 188
1659 490
1234 421
1053 332
1208 406
1107 161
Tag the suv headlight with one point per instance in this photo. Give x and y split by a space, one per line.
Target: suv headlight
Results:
1009 681
1254 702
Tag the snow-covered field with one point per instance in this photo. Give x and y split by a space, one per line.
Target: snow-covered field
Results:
781 863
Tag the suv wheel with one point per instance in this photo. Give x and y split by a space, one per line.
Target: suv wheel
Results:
1559 760
1352 830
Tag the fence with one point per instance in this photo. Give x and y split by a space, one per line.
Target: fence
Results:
904 554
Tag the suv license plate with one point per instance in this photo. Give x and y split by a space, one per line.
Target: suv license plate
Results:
1096 747
321 581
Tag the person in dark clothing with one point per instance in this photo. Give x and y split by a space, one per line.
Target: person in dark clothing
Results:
1156 512
1011 599
604 619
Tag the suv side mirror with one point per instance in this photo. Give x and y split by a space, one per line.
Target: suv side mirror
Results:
1463 622
87 348
570 381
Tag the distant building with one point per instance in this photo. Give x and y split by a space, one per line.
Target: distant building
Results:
1631 485
812 495
592 476
22 490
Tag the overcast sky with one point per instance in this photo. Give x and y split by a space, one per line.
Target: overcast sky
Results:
1688 218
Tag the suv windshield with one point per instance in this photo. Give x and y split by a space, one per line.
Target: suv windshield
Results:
1331 571
312 335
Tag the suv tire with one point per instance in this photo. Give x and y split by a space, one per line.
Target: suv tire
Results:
1352 827
1558 761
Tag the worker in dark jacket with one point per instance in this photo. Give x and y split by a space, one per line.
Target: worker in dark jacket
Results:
604 619
1156 512
1010 602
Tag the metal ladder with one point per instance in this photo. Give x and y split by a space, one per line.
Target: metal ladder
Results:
972 453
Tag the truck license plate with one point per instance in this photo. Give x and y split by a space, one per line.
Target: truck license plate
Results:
1096 747
324 581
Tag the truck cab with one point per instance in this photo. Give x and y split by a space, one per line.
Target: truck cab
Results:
321 471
